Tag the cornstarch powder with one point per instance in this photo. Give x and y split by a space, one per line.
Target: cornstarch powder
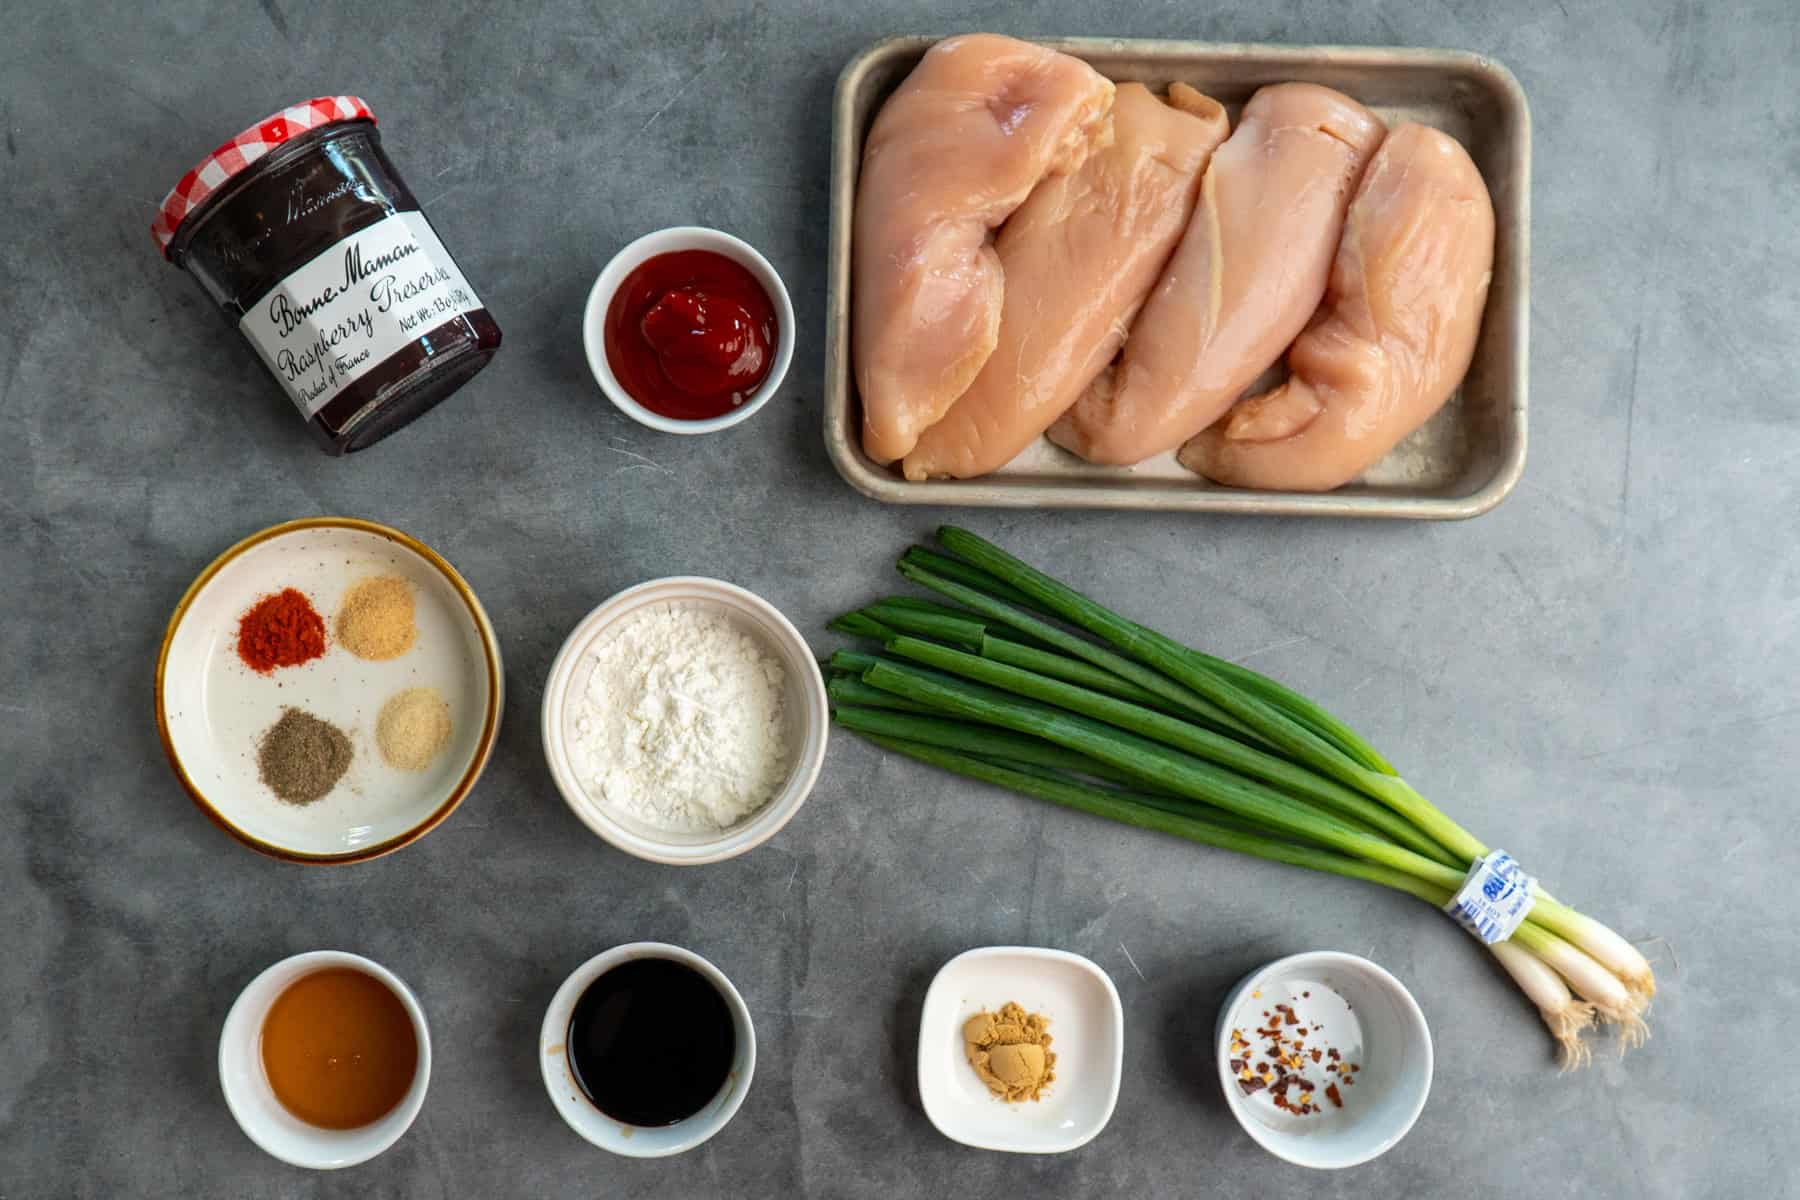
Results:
681 723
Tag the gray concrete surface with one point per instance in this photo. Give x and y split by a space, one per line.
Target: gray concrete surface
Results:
1600 675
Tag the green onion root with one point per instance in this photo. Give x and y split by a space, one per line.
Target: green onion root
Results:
1565 1016
1590 980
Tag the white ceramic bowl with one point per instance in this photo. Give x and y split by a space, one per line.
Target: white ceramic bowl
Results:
808 719
211 709
1394 1054
638 1141
253 1102
1087 1034
669 241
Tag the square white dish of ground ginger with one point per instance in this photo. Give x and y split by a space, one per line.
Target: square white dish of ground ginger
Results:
1061 1071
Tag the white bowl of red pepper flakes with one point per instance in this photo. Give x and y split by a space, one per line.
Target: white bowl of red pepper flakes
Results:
1325 1058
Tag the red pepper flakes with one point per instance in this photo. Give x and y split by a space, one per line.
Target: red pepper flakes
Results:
1283 1057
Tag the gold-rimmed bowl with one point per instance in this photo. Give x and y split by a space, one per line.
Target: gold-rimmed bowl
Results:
212 709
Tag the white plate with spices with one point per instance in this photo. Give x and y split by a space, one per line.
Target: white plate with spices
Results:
707 691
1086 1024
298 761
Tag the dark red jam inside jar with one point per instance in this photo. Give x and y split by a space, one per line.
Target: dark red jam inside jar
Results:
319 252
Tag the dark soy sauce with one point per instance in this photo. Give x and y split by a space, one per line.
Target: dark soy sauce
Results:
651 1042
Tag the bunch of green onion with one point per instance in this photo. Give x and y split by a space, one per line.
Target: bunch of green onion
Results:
1015 679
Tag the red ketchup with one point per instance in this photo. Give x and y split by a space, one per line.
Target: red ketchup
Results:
690 335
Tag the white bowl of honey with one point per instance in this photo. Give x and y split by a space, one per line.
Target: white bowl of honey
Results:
324 1059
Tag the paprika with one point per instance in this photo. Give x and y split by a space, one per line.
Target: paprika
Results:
280 630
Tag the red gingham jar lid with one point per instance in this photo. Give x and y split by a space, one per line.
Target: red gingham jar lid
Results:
219 166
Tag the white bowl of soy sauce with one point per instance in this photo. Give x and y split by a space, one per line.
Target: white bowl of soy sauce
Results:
647 1050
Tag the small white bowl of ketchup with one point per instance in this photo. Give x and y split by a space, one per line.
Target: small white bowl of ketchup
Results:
689 330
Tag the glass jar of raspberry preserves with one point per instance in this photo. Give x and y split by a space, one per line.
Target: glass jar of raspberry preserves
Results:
301 230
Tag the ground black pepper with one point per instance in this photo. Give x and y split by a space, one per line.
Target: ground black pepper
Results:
301 758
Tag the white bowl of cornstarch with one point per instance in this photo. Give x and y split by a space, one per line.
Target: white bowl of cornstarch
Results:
685 720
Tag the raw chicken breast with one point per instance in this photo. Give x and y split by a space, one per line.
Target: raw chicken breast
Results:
1250 270
952 153
1080 256
1394 338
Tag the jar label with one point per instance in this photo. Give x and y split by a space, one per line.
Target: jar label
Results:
342 314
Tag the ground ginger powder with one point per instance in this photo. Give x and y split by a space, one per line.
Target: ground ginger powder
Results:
1010 1051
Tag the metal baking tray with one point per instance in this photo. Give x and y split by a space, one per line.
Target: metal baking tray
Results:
1459 464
